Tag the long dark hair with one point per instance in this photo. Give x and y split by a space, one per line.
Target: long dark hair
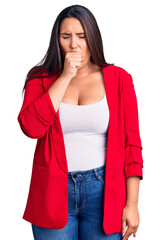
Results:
53 60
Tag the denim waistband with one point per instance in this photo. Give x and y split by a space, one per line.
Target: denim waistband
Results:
86 173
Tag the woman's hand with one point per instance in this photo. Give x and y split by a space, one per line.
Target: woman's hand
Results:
71 63
130 217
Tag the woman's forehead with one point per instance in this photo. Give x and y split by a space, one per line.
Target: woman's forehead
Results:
71 25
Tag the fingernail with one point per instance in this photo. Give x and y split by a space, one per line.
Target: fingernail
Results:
134 235
122 233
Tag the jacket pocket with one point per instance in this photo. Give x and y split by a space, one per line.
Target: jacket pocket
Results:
118 189
42 154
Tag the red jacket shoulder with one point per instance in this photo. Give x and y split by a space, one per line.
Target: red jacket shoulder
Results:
121 70
118 69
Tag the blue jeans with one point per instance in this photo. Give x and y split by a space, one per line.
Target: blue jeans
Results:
85 209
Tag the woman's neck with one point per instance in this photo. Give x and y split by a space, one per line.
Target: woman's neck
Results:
85 70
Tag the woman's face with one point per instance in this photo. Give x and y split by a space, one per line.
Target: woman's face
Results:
72 38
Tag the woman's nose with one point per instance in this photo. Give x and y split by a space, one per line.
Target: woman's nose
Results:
73 42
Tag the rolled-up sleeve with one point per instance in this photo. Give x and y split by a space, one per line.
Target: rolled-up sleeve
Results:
133 162
37 113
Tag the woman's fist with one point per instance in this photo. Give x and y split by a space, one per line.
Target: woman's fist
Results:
72 62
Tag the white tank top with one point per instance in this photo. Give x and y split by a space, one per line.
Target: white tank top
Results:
85 130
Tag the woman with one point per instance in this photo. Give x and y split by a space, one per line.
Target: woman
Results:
83 112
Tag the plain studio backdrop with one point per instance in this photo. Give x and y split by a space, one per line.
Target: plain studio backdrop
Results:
131 37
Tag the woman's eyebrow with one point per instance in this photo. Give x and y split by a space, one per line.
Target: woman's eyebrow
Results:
70 34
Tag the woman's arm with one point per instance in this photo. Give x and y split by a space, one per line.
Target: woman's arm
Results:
132 190
130 214
133 162
39 108
57 91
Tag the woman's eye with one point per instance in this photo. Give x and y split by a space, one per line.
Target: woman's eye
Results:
68 37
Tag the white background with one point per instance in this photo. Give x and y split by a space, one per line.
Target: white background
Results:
131 38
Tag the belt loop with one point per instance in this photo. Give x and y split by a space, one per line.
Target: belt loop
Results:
95 172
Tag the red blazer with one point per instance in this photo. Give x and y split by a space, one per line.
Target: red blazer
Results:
47 203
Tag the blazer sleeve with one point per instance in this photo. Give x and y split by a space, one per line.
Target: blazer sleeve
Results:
37 113
133 164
